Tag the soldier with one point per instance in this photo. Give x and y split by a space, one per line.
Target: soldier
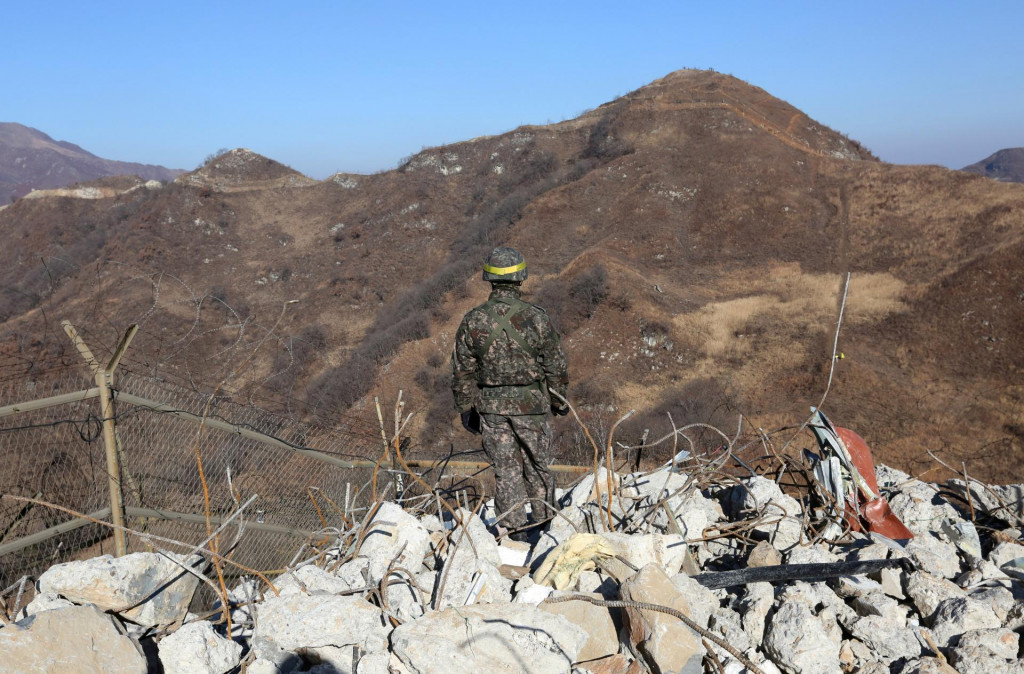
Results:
507 359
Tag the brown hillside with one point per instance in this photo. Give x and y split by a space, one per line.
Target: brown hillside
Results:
691 238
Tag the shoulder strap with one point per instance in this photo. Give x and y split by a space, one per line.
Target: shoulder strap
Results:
504 324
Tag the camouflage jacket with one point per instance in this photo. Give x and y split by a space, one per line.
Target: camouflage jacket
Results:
507 357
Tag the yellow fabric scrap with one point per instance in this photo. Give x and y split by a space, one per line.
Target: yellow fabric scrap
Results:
564 564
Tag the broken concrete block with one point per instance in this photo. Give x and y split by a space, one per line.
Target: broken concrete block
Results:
927 591
934 556
666 643
1005 553
665 550
763 554
596 621
796 642
144 587
318 623
613 664
984 651
499 638
953 617
74 639
390 529
754 607
695 513
783 527
586 491
701 601
472 581
887 638
811 554
920 507
311 579
999 598
927 665
197 648
44 601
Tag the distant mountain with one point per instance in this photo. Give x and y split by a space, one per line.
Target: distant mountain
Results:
1005 165
31 160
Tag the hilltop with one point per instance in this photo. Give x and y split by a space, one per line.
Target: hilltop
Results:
1005 165
31 160
691 238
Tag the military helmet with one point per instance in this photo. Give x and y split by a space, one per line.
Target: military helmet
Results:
505 265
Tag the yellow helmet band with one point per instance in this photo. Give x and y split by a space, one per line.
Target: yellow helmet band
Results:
501 271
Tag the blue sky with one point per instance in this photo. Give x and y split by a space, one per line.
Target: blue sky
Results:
344 86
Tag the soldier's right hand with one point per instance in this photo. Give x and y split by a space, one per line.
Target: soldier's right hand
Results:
560 410
471 421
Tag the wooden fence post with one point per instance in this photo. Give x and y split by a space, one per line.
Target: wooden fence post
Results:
104 382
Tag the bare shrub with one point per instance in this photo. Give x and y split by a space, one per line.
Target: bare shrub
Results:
571 304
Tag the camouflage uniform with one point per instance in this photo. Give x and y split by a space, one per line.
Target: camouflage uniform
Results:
507 357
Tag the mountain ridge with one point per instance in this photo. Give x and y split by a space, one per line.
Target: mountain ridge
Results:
31 160
1006 165
691 239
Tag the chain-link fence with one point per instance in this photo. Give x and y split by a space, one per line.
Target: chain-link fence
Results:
164 432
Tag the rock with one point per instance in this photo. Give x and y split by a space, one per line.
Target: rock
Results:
197 649
999 598
796 642
785 528
666 643
889 579
695 513
934 556
613 664
727 623
529 592
44 601
964 536
596 621
355 572
985 498
927 591
953 617
586 492
984 651
73 639
390 529
1005 553
888 639
491 638
879 604
374 663
665 550
764 554
513 553
754 607
311 579
701 601
594 581
144 587
486 548
920 507
322 624
927 666
463 573
810 554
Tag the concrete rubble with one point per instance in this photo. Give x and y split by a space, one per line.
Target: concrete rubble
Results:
415 591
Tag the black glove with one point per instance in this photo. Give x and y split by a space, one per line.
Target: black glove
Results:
560 411
471 421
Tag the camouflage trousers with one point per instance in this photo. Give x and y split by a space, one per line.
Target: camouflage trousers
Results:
519 449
